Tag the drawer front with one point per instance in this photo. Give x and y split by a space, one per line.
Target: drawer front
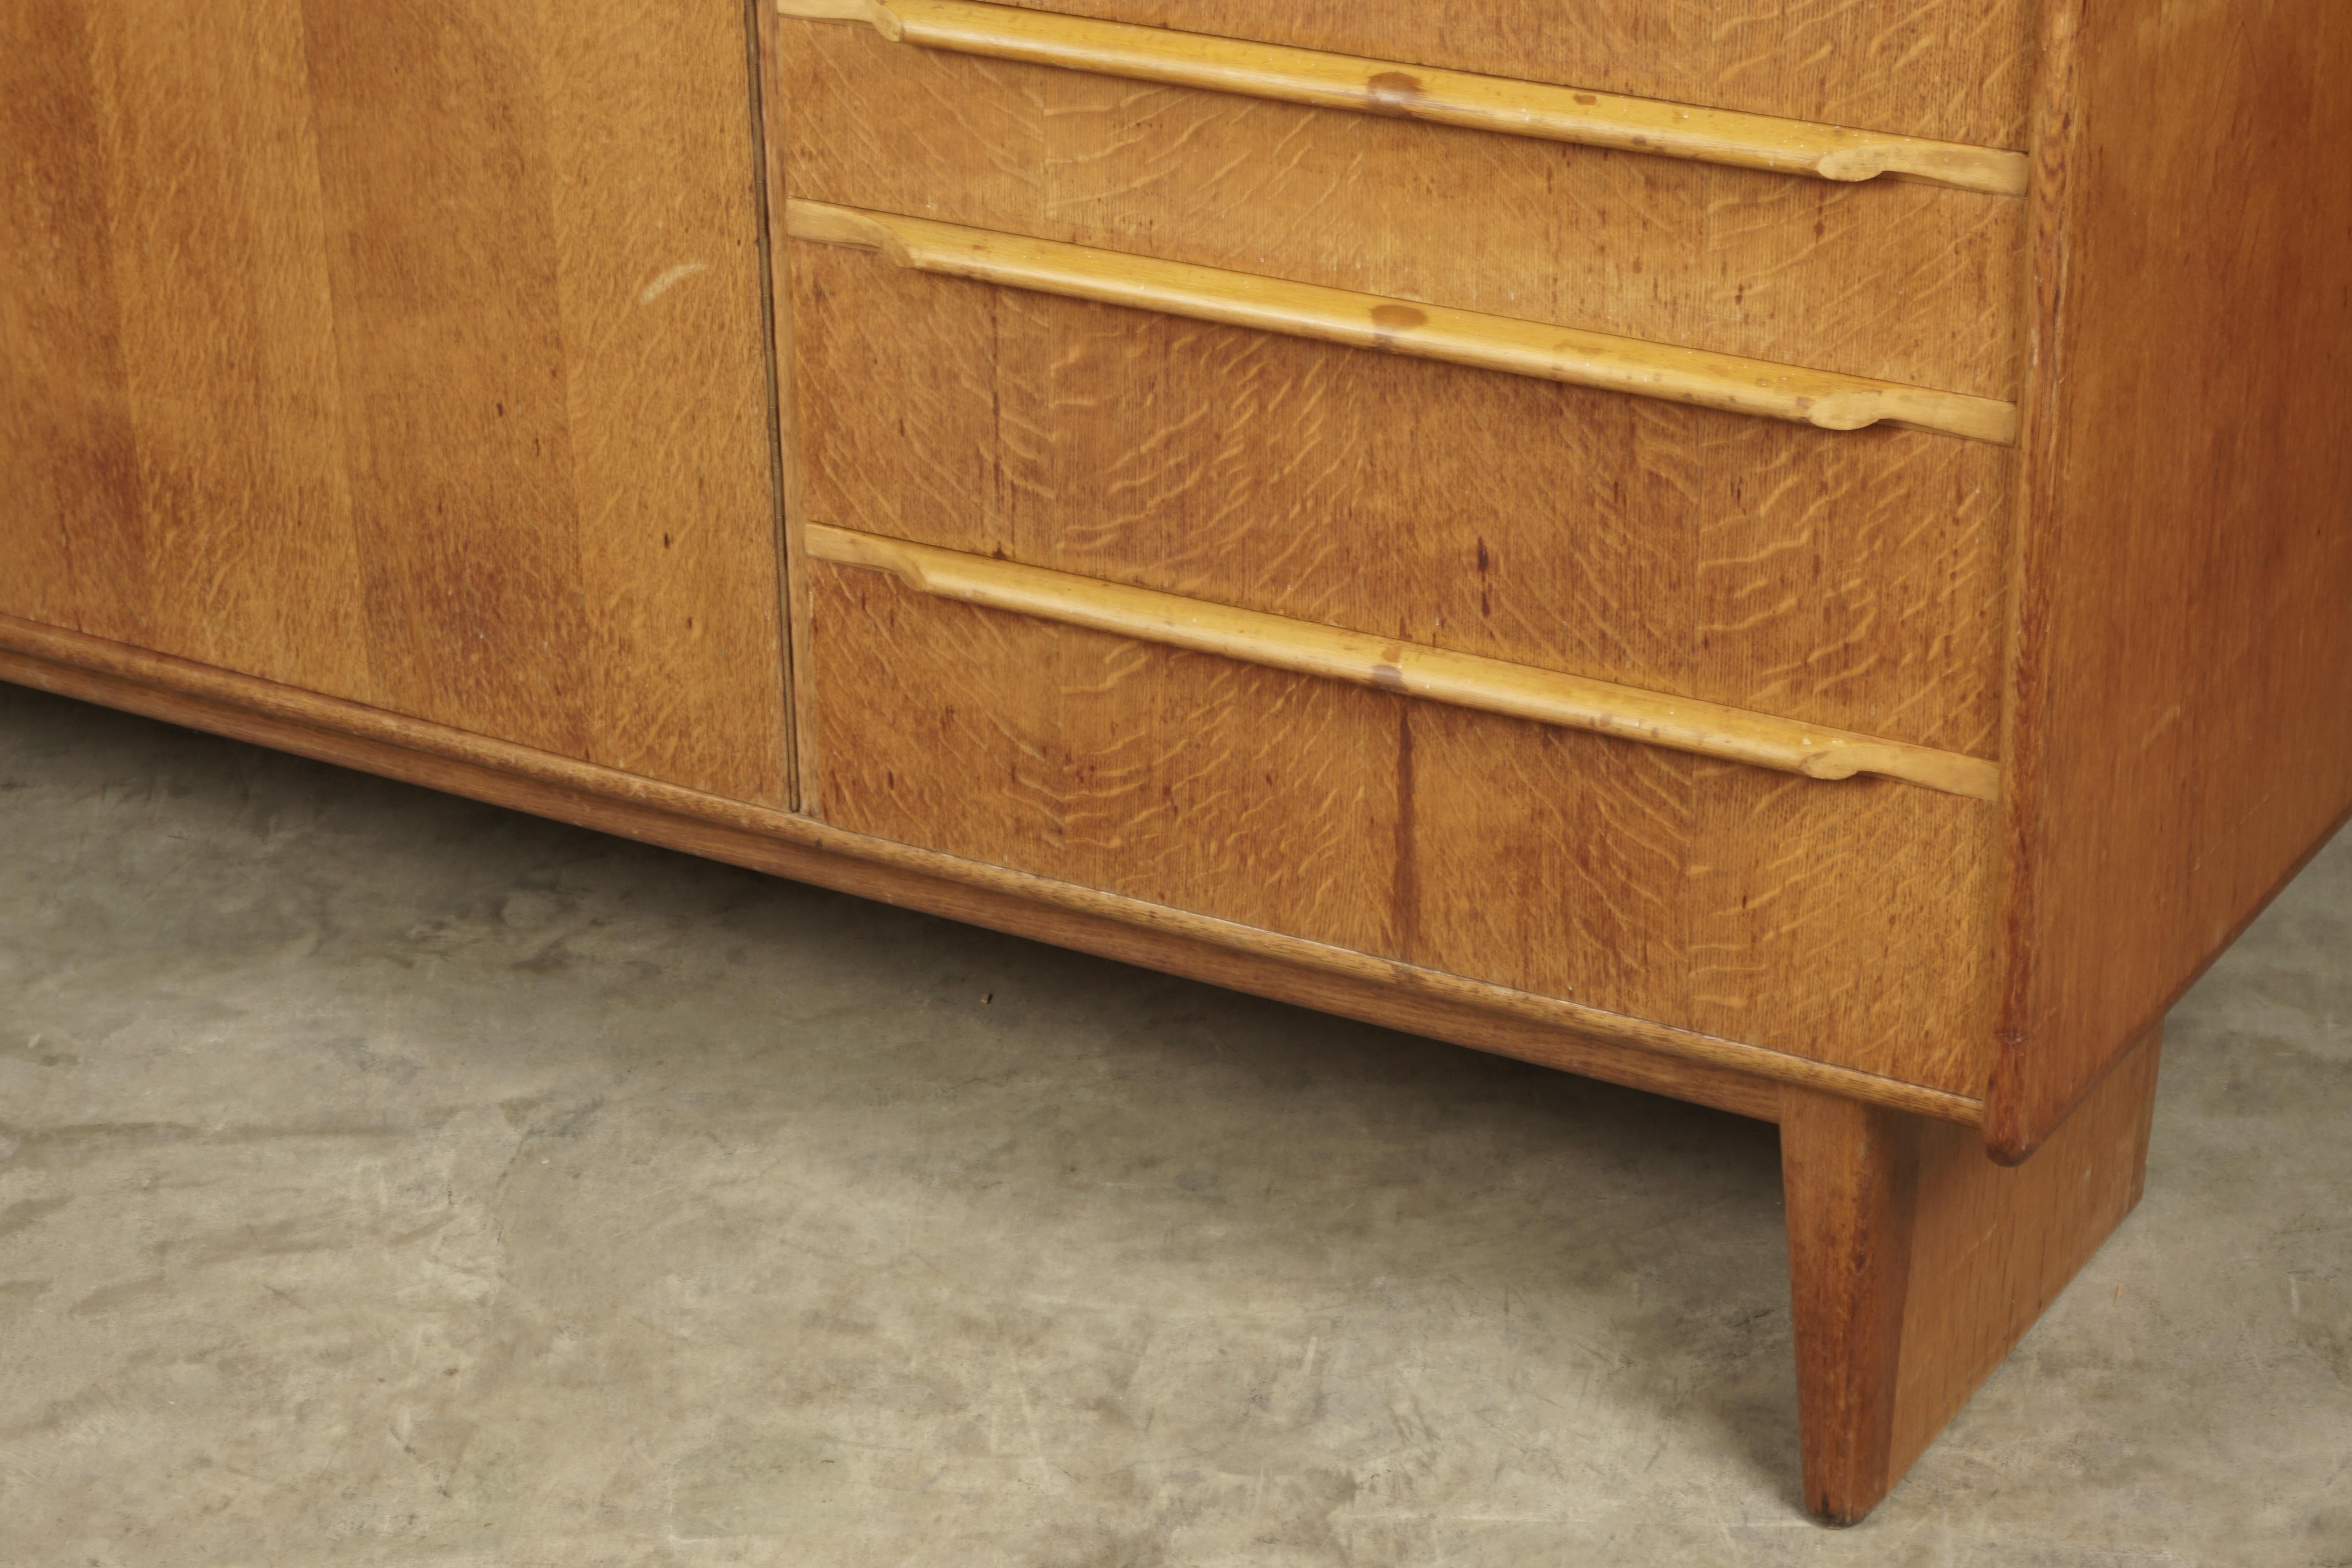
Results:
1841 921
1906 282
1846 579
1959 71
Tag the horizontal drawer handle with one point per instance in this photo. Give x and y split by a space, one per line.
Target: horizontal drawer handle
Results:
1820 398
1462 679
1415 92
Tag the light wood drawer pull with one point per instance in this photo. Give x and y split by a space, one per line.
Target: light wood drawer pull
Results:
1818 398
1415 92
1464 681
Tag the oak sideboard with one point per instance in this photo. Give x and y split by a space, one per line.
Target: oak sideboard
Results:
1791 553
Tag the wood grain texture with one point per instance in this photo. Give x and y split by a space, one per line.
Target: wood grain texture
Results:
1958 71
1513 1022
1916 1264
1842 925
1851 581
453 364
65 445
168 340
1904 284
1504 105
409 354
657 229
1634 366
1431 675
2179 734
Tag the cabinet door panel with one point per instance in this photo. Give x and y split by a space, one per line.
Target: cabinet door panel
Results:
411 353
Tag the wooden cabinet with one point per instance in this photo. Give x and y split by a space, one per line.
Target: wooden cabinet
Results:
1790 555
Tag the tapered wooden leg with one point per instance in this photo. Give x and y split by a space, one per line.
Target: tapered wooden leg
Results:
1916 1263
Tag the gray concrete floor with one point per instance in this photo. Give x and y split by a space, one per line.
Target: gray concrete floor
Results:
388 1179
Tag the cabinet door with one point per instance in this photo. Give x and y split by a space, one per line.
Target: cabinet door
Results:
408 352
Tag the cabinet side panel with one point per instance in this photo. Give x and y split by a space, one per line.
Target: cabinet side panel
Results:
2180 704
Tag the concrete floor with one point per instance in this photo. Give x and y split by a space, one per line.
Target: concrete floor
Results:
387 1179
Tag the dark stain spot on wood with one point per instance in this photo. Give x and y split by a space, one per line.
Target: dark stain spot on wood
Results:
1393 93
1388 677
1588 98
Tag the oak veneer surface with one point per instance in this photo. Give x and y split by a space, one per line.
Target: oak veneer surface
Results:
1851 580
1900 282
1397 89
1959 70
411 354
1384 664
1848 923
2180 719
